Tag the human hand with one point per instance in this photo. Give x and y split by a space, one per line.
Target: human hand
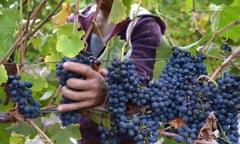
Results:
87 92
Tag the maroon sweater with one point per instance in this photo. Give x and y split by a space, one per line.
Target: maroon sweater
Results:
145 39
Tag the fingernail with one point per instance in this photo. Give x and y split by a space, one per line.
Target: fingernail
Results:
65 64
59 108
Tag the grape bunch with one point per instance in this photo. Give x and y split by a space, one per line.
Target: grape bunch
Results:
225 96
108 136
177 94
141 127
84 58
22 94
126 88
181 92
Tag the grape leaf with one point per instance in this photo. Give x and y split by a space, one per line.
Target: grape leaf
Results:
148 5
3 74
3 134
227 15
158 67
118 12
62 135
8 25
50 59
45 44
163 52
17 138
25 128
112 50
127 4
68 42
188 6
4 108
236 3
38 82
219 2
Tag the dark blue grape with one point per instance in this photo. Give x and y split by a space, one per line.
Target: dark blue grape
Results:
22 95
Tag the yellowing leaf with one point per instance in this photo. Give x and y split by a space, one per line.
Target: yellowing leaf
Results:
17 138
118 12
61 17
3 74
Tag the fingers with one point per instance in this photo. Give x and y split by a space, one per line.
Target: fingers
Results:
77 95
103 72
80 68
78 84
74 106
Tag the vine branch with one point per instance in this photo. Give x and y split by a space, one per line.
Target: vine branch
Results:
76 16
32 123
47 18
13 48
228 60
193 11
58 91
233 23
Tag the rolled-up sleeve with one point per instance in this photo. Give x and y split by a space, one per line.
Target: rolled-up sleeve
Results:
145 39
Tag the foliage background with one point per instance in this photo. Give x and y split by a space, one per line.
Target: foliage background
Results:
190 25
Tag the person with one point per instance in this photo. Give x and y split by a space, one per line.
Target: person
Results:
144 40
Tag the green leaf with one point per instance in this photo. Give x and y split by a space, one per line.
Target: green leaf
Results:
45 44
163 52
227 15
127 4
38 82
8 20
69 42
236 3
3 107
118 12
113 49
8 23
25 128
148 4
188 6
219 2
158 67
62 135
102 118
168 140
50 60
197 44
4 135
3 74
